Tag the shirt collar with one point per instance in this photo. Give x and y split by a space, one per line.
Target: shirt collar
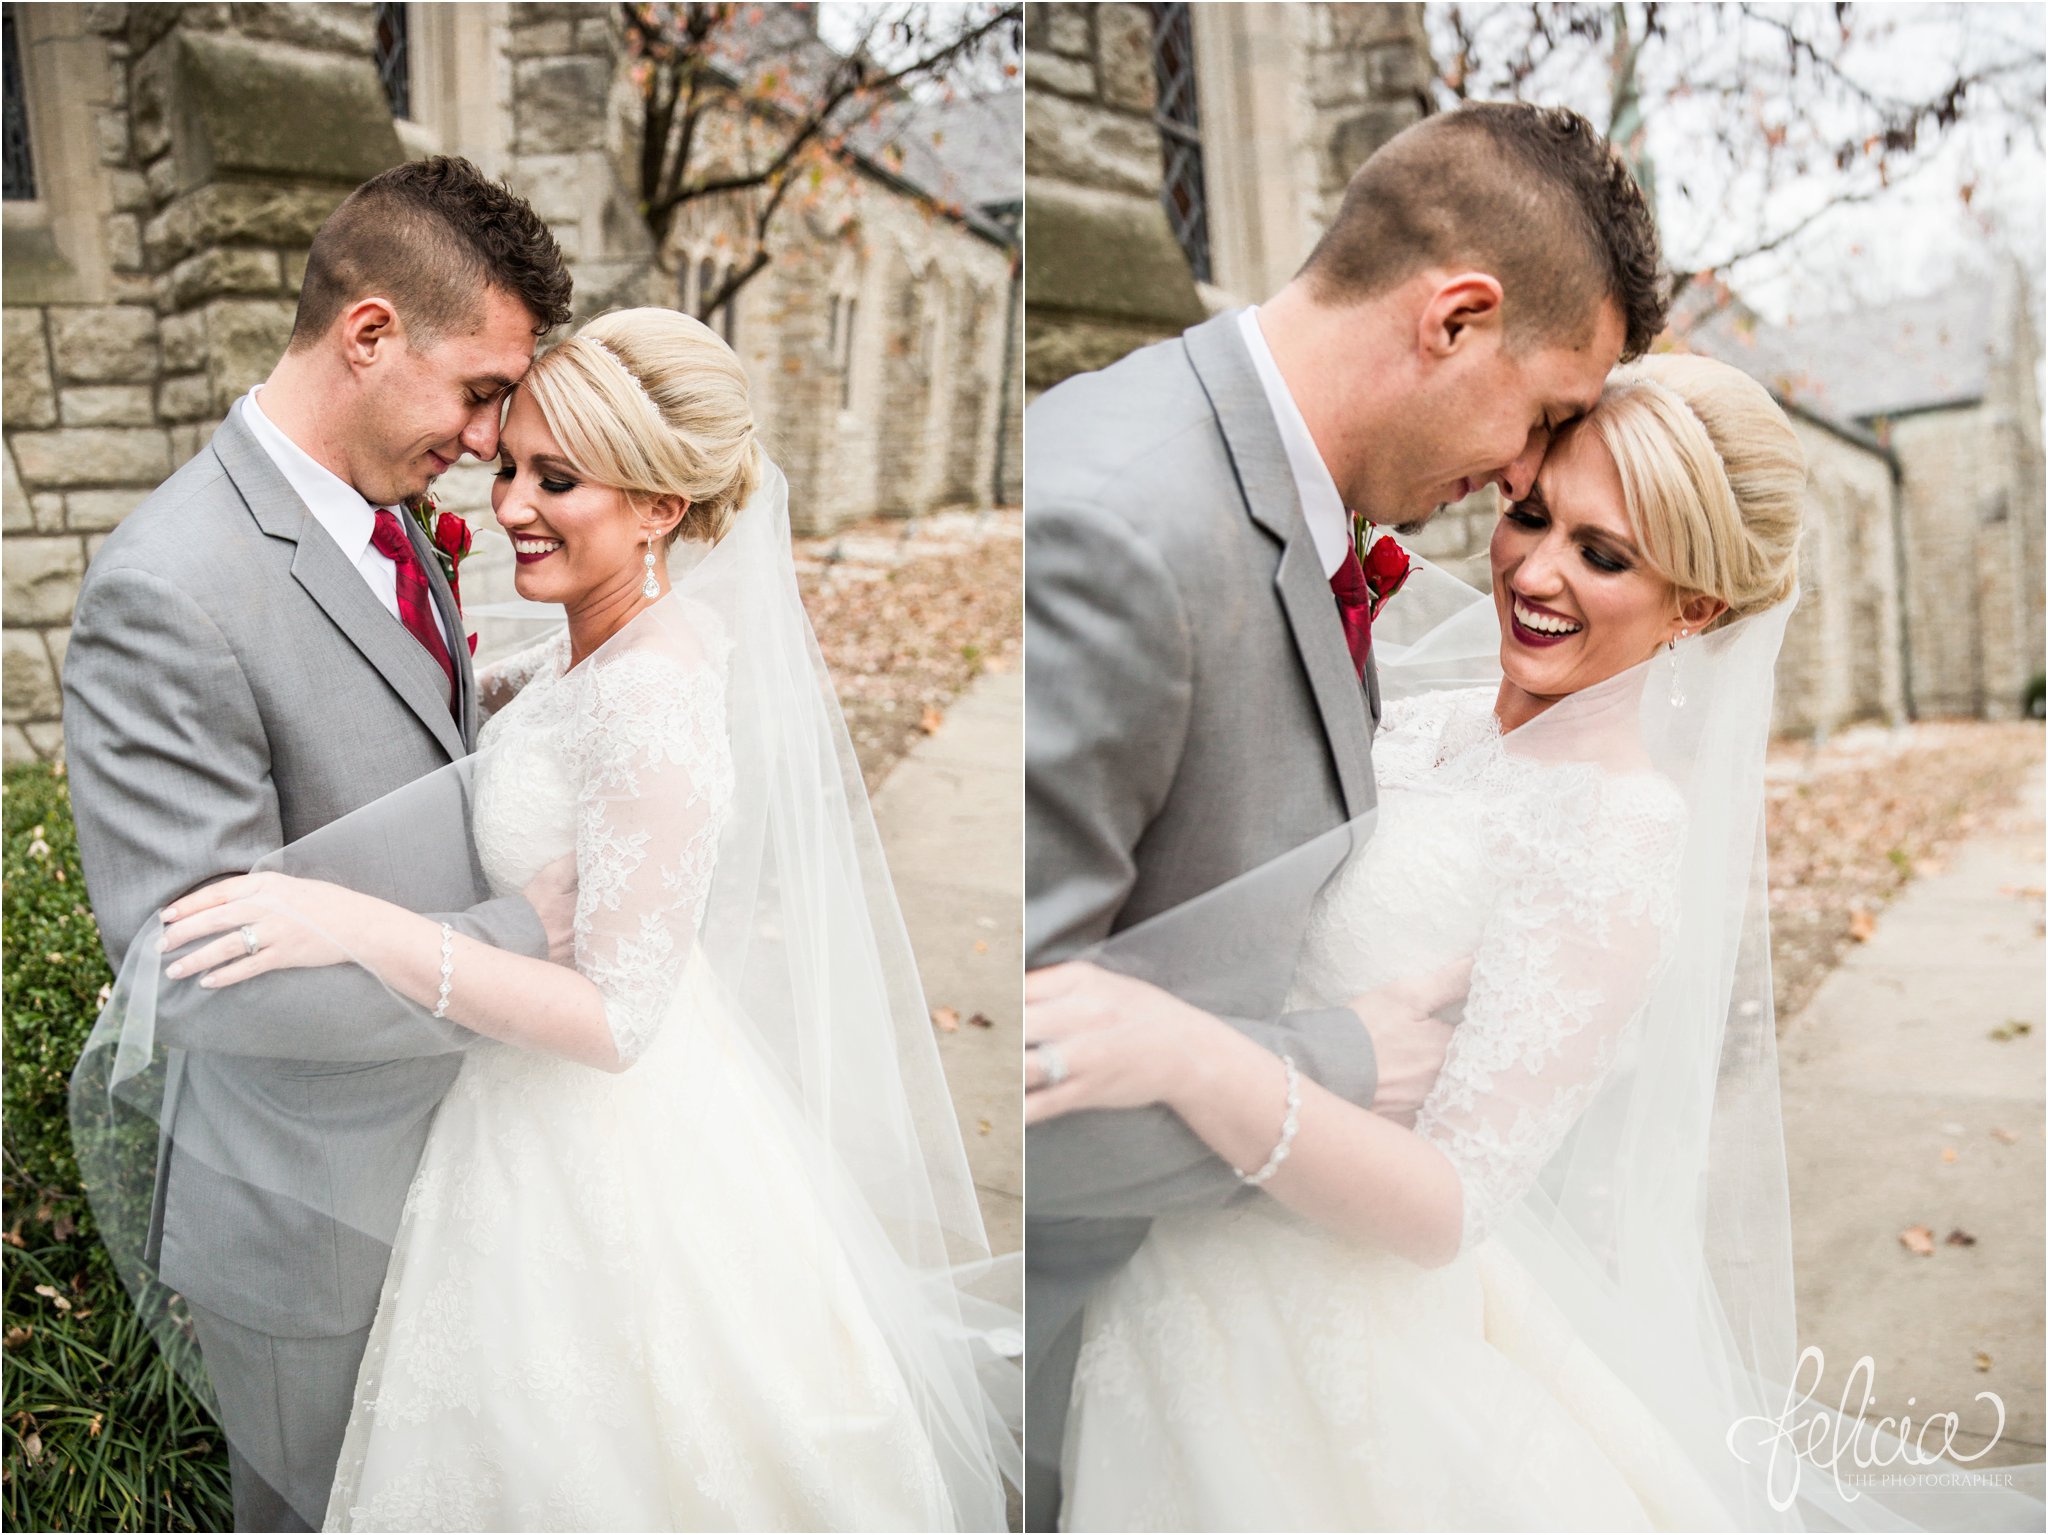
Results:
335 504
1329 525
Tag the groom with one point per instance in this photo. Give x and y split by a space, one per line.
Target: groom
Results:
264 645
1198 700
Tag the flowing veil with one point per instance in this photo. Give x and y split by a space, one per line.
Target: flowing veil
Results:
1656 1239
800 948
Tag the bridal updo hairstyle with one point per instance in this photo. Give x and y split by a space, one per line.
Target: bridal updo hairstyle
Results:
1712 474
655 403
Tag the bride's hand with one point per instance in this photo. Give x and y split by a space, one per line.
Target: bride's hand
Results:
290 920
1097 1040
1408 1044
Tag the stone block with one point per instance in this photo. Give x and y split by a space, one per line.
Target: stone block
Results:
294 271
14 746
330 28
106 405
1363 26
129 190
93 455
154 89
1352 141
245 340
112 343
253 108
558 186
183 337
1108 257
186 441
188 397
1061 75
48 507
1123 56
1084 145
560 103
124 242
239 213
19 516
40 581
594 35
100 511
162 177
1396 71
538 39
45 739
27 395
110 131
222 271
31 681
1067 31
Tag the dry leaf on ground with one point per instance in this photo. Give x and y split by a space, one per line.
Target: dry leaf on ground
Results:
946 1018
1918 1240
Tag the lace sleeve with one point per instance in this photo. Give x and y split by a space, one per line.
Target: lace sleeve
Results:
654 778
1563 969
499 683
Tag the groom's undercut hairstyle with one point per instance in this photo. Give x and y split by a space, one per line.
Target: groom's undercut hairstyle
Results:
1529 194
431 236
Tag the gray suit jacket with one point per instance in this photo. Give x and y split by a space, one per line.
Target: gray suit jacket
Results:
1192 712
232 685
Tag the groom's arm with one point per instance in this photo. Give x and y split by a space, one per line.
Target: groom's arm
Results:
169 769
1109 690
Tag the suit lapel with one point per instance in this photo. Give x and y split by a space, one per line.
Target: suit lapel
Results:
1253 440
338 587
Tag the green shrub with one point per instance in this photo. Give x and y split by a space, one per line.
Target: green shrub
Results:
100 1432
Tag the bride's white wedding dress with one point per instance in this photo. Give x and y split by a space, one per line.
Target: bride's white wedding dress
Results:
1250 1370
614 1302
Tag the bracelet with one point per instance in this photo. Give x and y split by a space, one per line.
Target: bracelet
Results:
447 969
1288 1126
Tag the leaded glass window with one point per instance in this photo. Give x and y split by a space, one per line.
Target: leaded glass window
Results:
1179 120
21 164
394 57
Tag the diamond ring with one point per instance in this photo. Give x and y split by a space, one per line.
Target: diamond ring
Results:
1052 1064
249 943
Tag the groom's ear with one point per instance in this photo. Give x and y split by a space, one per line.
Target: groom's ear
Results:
1459 310
366 325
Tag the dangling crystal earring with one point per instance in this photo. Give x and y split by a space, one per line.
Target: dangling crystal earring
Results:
650 588
1677 681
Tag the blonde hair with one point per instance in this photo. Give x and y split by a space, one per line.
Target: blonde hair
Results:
1712 474
655 403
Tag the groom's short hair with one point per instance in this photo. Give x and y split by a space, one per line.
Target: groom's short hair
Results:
432 235
1529 194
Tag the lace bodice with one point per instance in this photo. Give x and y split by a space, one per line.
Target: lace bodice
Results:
1558 881
624 762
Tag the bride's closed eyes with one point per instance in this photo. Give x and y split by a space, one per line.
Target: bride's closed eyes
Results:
1530 513
554 485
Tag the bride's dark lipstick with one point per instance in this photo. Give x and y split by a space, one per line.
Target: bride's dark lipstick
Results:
523 557
1534 638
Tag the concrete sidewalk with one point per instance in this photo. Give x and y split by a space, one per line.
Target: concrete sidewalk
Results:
1913 1098
951 815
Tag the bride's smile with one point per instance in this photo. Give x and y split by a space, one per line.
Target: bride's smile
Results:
1576 599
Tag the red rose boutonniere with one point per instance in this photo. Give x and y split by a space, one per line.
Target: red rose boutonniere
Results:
1386 564
450 537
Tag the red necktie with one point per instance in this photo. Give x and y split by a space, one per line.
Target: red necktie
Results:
415 600
1354 606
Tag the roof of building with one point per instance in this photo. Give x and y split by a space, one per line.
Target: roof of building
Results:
1911 354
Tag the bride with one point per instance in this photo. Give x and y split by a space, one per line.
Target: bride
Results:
692 1244
1561 1297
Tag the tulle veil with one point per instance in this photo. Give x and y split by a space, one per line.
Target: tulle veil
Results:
1660 1232
801 939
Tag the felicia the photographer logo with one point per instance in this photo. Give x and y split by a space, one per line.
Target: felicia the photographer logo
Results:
1886 1450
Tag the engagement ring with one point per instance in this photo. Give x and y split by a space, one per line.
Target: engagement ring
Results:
249 943
1054 1067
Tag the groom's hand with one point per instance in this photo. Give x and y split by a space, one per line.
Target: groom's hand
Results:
552 895
1408 1042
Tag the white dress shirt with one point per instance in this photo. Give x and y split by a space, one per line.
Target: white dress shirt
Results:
336 505
1329 525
